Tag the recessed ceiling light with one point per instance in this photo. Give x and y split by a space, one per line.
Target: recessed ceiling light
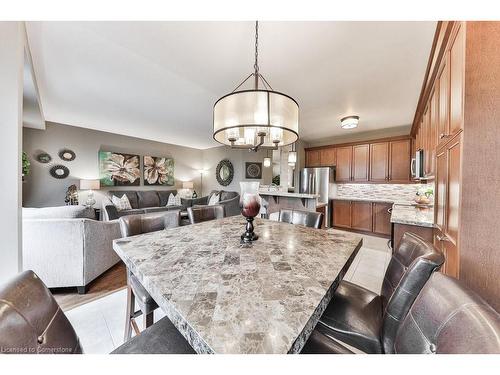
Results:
349 122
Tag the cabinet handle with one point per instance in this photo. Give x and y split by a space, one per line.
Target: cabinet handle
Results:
442 135
442 238
389 210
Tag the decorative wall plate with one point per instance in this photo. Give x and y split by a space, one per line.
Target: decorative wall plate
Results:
224 172
67 155
253 170
43 158
59 171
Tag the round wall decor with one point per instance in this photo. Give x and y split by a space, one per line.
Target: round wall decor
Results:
67 155
59 171
224 172
43 157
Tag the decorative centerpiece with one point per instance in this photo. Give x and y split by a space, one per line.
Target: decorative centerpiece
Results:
250 207
424 196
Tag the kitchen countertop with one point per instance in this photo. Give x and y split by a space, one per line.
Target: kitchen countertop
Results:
225 297
363 199
287 194
412 215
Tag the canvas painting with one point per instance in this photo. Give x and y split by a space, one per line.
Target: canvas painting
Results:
117 169
158 171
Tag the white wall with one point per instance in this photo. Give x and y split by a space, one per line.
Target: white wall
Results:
12 35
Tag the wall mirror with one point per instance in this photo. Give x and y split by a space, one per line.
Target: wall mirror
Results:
224 172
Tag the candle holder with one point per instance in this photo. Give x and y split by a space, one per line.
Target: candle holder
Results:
250 207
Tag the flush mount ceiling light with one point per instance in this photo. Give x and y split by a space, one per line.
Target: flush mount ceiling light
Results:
256 118
349 122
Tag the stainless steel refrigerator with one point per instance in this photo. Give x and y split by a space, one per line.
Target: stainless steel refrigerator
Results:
318 181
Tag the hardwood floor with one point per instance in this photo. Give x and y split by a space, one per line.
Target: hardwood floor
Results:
112 280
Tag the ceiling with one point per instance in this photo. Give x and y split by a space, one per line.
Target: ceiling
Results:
159 80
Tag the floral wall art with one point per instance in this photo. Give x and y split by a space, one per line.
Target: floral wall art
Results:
116 169
158 171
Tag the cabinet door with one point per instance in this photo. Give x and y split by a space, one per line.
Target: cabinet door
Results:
426 140
379 161
433 128
444 101
312 158
360 161
344 161
361 216
457 71
400 160
342 214
382 218
327 157
440 193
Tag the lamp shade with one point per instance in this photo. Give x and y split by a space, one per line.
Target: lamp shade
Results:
89 184
187 185
242 116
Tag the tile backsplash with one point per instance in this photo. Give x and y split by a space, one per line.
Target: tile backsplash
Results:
395 192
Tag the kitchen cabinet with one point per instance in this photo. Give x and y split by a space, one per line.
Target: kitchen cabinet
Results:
379 162
457 72
360 162
361 216
444 101
327 156
344 164
399 161
341 214
382 218
313 158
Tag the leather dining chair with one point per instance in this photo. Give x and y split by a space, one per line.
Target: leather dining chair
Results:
369 321
205 213
32 322
446 318
309 219
132 225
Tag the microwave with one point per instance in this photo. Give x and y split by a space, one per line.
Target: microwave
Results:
417 165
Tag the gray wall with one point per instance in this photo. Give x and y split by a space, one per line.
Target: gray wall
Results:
42 190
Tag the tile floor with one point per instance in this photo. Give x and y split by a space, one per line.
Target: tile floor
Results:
100 323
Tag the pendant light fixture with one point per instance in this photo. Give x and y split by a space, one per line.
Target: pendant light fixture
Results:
267 160
256 118
292 155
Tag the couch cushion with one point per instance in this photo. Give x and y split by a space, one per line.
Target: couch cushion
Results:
164 194
148 198
60 212
133 211
156 209
131 195
225 195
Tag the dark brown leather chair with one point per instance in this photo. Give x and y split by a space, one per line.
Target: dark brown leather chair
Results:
201 214
446 318
369 321
133 225
31 321
309 219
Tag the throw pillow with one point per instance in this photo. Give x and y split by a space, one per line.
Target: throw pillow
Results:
121 203
174 200
214 199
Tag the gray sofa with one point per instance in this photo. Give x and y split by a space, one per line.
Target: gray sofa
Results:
147 201
66 247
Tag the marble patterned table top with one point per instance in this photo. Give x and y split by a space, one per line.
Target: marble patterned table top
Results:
412 215
225 297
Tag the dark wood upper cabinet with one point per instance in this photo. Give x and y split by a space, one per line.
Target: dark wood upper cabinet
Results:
360 162
399 160
327 156
344 163
341 214
379 162
457 72
444 102
361 216
382 218
313 158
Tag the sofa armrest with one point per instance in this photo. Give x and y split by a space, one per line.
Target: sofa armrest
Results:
231 206
109 212
190 202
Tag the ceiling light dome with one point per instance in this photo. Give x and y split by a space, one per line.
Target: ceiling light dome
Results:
256 118
349 122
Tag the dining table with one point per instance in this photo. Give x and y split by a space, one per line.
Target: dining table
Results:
225 296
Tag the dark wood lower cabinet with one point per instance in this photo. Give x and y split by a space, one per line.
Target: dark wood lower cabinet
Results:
400 229
362 216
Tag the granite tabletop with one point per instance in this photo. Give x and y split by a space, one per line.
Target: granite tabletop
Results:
412 215
225 297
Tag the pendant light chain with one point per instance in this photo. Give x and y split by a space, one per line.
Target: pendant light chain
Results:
256 64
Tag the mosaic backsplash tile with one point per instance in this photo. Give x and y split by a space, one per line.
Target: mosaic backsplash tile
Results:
393 192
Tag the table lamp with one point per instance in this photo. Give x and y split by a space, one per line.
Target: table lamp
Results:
189 186
89 185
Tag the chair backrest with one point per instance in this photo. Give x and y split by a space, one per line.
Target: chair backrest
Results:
31 321
408 271
200 214
449 318
132 225
309 219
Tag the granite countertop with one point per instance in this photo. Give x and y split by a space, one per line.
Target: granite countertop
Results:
287 194
363 199
412 215
225 297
